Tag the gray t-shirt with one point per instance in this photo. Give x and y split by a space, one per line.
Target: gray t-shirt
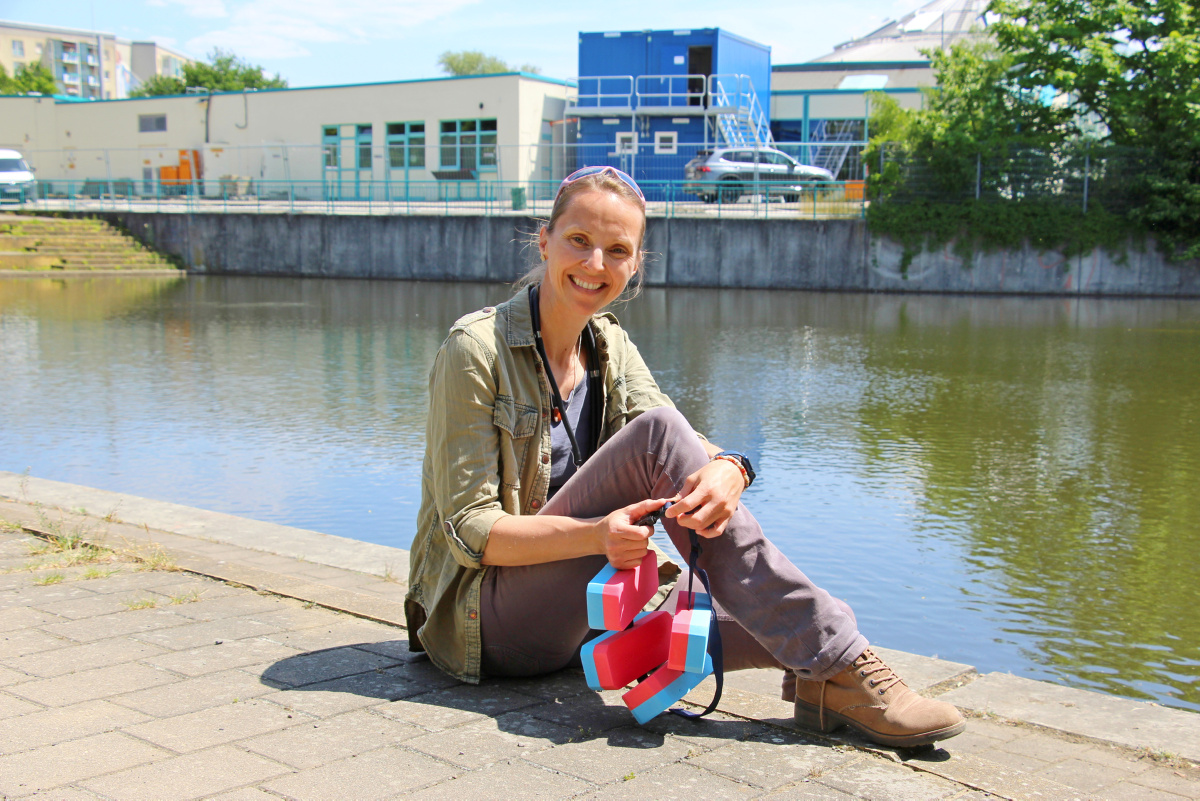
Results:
579 414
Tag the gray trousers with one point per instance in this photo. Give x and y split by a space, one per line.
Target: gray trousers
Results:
534 617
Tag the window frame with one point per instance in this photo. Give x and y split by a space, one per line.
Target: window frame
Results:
148 123
478 137
661 146
363 146
409 138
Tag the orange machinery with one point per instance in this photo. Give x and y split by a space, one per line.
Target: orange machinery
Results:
181 174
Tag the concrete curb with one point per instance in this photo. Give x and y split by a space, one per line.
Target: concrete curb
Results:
187 521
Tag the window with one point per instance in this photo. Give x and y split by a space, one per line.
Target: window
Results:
329 145
152 123
666 143
626 142
406 145
468 144
363 139
18 49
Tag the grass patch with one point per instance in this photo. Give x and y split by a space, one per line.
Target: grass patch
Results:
48 579
189 597
97 573
155 558
141 603
56 537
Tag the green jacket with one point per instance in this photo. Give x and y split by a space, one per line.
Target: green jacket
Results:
487 455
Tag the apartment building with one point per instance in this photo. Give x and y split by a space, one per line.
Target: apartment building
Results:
90 65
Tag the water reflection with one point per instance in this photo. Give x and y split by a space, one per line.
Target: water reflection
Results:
1005 482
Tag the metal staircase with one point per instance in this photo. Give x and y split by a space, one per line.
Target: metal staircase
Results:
739 119
831 156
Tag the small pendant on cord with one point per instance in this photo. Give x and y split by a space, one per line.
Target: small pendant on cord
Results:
556 416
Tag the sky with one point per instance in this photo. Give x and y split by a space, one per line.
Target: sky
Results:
332 42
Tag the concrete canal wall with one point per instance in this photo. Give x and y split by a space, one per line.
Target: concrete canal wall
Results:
780 254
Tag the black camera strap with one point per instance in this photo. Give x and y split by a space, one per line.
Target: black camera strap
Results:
591 370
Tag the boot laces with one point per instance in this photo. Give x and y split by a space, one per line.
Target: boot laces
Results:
879 676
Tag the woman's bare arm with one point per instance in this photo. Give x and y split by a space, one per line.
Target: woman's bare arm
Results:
536 539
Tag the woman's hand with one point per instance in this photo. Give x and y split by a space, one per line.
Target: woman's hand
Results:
709 497
624 543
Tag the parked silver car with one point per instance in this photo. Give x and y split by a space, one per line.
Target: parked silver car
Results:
728 173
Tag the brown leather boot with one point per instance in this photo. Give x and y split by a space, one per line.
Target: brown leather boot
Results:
871 698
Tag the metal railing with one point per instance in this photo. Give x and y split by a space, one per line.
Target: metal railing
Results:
673 91
754 199
394 162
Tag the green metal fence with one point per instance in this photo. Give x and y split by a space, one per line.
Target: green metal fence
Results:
817 200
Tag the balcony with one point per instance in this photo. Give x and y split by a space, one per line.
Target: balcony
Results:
69 57
70 77
92 80
90 60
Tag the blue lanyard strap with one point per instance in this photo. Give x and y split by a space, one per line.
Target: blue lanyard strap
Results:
714 632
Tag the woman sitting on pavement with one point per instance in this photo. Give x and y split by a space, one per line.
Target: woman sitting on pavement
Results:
548 438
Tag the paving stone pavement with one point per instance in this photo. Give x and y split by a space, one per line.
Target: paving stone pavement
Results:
122 682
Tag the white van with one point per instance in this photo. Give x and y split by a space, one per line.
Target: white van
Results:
16 177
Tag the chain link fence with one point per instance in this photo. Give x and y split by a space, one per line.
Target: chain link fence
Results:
1085 178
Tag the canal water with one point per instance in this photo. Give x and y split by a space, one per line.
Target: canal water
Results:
1007 482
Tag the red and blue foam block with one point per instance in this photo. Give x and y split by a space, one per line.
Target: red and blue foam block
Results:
689 640
616 658
614 597
661 689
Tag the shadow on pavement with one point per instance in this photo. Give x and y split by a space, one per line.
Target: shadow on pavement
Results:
558 707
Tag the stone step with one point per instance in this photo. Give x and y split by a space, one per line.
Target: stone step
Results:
23 260
41 230
54 246
50 223
117 259
124 267
47 243
11 242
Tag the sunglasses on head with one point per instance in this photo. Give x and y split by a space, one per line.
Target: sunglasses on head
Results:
584 172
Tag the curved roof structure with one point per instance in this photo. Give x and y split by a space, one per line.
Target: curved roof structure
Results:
937 24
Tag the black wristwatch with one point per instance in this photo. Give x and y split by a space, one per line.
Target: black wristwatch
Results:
743 460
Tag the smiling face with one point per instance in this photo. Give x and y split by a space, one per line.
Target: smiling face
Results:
591 252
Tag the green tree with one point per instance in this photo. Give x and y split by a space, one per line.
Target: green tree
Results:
1133 65
1106 86
159 85
475 62
29 78
932 181
223 72
976 108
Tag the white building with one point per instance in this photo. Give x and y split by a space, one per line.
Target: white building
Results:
827 98
350 140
